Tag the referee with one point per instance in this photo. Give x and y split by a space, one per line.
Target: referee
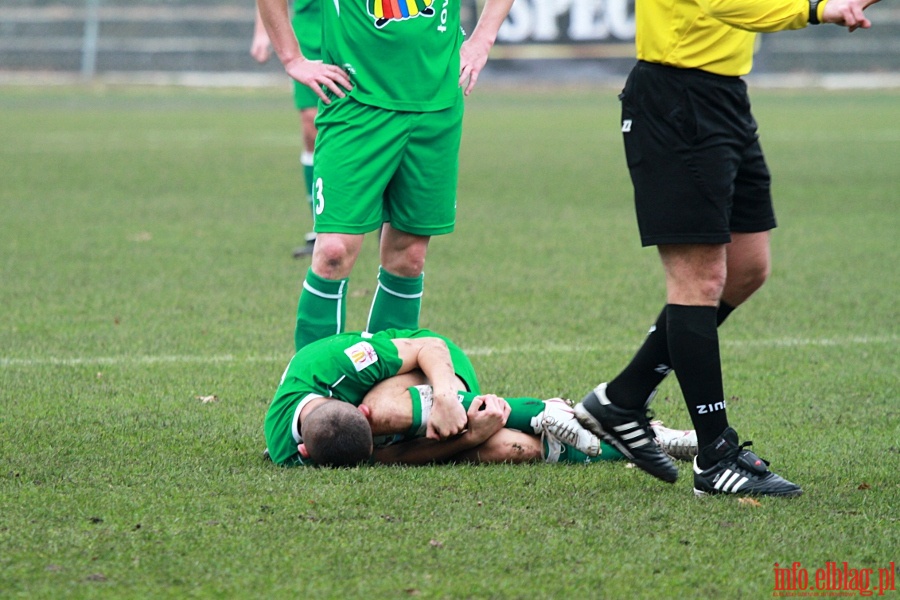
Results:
702 197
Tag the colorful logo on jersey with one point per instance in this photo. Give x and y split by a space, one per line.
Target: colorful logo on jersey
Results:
385 11
362 355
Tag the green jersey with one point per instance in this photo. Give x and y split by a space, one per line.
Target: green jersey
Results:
345 367
400 54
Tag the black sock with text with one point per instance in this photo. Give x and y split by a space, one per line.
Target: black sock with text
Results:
632 387
694 352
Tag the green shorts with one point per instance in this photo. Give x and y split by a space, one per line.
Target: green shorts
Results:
377 166
307 24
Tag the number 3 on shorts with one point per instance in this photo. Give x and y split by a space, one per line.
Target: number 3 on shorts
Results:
320 199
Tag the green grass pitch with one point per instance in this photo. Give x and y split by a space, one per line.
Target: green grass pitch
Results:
145 239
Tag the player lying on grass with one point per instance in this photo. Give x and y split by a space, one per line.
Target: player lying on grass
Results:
397 397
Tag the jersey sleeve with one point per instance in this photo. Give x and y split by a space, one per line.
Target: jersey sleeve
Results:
762 16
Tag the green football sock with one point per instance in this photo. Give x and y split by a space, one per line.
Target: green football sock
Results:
570 454
396 303
608 452
321 310
306 159
521 414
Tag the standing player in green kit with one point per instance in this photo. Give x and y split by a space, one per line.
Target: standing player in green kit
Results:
391 85
307 22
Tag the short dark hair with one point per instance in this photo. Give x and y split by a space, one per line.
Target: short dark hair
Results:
337 434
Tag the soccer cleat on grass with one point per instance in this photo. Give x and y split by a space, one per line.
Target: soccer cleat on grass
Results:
558 420
680 444
738 471
628 430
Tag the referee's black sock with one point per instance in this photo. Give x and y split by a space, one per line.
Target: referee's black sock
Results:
694 352
632 387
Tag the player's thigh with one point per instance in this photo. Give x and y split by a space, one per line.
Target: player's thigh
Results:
358 150
421 198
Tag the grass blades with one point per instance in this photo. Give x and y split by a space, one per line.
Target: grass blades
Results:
145 262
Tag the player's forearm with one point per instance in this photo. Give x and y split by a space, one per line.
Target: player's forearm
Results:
277 21
492 17
435 362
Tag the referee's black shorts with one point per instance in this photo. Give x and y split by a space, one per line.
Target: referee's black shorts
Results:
693 152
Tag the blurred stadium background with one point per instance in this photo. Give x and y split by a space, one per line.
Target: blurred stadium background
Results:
206 42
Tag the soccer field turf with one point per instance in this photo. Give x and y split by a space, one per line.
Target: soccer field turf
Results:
145 260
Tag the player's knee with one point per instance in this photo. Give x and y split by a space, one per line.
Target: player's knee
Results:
403 254
333 257
744 281
708 290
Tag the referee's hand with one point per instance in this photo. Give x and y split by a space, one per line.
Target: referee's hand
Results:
848 13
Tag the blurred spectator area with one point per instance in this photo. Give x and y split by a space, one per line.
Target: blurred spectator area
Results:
97 37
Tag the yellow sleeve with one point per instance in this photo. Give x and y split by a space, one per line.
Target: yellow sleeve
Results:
760 15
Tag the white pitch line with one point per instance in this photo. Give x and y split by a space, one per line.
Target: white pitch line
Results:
137 360
477 351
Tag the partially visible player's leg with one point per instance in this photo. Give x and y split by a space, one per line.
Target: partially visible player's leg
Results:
637 382
420 202
505 446
398 295
322 307
355 156
695 278
511 446
309 132
307 23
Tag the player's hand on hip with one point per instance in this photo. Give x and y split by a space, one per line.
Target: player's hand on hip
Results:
315 74
848 13
448 418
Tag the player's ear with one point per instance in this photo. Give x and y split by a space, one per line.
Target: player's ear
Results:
366 411
303 451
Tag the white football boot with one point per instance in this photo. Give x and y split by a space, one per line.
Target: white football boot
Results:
558 419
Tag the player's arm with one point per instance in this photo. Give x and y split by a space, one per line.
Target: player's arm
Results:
486 416
260 47
314 74
389 404
432 357
474 52
778 15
